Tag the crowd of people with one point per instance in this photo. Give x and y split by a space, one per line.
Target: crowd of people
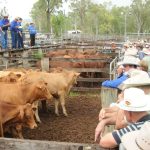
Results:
130 114
16 31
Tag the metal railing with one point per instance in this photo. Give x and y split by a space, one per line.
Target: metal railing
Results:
112 68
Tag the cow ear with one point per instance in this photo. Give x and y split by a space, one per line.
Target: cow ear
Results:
77 74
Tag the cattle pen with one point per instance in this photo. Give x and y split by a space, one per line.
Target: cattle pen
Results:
75 132
91 60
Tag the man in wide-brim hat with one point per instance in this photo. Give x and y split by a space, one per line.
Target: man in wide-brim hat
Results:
129 62
135 105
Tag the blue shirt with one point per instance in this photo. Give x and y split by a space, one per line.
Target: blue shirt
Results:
13 26
4 22
32 29
116 82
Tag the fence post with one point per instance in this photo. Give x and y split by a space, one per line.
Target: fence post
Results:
5 59
25 60
108 96
45 64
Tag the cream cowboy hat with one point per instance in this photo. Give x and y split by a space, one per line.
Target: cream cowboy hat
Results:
136 78
135 100
130 60
138 140
131 52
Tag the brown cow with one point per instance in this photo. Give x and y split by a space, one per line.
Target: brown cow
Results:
11 114
59 84
24 92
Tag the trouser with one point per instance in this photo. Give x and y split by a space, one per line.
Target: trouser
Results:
32 39
14 39
20 40
3 39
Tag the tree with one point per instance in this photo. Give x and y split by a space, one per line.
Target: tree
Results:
141 11
58 22
79 9
42 11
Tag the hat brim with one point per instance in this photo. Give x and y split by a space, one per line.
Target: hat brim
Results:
128 85
127 63
123 106
128 140
147 53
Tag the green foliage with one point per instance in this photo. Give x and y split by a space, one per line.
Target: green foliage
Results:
38 55
72 94
92 18
41 11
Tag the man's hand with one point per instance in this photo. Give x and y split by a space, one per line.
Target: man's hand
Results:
108 112
99 130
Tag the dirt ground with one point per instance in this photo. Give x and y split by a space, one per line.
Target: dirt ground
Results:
78 127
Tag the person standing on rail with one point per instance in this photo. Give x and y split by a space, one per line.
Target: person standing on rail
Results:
13 29
19 34
4 24
32 31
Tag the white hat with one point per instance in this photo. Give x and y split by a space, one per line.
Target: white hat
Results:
137 78
131 52
130 60
146 51
138 140
126 45
135 100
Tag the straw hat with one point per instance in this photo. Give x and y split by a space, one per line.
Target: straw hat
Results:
135 100
131 52
138 140
137 78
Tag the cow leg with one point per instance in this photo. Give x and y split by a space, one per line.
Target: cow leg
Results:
35 105
44 108
62 101
17 131
1 130
56 107
37 116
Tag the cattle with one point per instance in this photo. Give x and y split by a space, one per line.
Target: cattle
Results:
11 115
59 85
24 92
10 76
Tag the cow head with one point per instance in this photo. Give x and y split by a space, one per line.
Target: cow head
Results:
74 77
27 116
42 90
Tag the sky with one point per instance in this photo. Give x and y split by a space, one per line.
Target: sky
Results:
22 8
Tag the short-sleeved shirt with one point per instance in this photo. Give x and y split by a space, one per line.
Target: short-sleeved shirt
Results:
132 127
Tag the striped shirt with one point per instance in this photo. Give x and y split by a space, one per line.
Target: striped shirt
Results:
132 127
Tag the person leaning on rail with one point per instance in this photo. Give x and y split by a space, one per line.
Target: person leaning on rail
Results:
13 29
135 104
129 62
